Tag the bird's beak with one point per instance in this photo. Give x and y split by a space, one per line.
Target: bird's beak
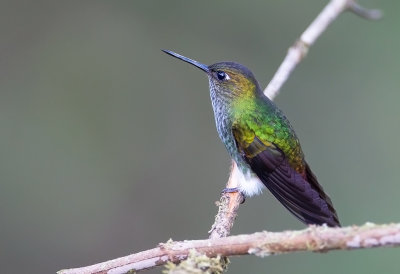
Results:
188 60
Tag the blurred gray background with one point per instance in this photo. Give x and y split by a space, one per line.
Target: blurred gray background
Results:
108 146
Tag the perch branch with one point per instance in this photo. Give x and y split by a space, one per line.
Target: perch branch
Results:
228 206
313 238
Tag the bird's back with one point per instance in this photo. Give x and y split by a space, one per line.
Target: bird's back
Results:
262 118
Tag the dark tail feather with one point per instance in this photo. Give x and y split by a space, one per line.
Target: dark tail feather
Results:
313 181
301 194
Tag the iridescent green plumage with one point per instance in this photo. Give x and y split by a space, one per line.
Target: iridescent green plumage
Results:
261 119
263 144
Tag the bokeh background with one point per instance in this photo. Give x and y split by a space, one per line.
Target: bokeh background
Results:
108 146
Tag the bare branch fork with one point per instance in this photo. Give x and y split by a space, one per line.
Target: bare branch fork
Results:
264 243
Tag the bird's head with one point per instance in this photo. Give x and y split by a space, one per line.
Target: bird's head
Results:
228 80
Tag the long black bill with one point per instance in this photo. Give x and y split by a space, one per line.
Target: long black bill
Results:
188 60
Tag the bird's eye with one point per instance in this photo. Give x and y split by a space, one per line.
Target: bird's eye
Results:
222 75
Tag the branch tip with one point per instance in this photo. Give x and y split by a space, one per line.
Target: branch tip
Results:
369 14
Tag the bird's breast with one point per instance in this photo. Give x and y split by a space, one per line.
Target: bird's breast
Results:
224 122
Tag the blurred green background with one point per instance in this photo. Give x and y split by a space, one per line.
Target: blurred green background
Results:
108 146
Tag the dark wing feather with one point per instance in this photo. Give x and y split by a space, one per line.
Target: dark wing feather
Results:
300 194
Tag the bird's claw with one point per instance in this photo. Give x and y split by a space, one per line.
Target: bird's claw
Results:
233 190
230 190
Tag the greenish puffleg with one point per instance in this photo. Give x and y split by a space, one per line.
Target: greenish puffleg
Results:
263 144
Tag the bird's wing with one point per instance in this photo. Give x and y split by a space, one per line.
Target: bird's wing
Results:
301 194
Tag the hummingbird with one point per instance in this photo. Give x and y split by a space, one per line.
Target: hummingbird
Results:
263 144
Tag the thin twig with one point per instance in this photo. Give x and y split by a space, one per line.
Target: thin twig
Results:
314 238
369 14
300 48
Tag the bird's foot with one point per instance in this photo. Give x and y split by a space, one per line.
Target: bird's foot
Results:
230 190
233 190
